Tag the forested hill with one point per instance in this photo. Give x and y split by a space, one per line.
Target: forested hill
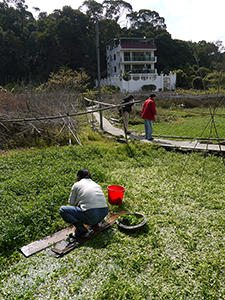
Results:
33 48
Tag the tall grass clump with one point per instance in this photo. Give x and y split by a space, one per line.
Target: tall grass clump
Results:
179 254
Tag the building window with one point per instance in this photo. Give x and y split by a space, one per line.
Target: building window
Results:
114 56
137 68
149 69
127 68
148 56
126 56
115 69
138 56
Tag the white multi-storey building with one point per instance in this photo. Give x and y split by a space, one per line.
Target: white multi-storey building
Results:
130 55
131 64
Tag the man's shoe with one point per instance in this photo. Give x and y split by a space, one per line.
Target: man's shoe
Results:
81 233
80 230
150 139
95 227
78 233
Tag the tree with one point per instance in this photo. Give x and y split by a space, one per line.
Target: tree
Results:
116 9
109 9
11 52
32 48
144 29
146 16
18 47
71 32
93 9
164 52
207 54
67 79
63 40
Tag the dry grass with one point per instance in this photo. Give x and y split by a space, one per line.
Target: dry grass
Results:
35 105
27 102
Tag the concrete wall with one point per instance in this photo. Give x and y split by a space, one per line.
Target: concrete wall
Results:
136 81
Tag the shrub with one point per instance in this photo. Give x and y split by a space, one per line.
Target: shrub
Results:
182 79
148 87
66 79
197 83
110 89
215 79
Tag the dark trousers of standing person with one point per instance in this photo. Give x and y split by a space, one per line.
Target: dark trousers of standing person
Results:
148 129
126 120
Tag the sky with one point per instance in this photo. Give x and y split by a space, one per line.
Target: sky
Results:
187 20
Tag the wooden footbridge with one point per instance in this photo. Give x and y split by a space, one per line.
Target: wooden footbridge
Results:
193 145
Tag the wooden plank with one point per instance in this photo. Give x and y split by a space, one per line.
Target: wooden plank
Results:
63 249
41 244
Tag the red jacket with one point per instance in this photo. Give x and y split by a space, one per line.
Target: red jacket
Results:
149 110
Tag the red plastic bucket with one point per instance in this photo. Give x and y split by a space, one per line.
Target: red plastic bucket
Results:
115 194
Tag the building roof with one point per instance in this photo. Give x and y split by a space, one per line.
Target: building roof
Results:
132 43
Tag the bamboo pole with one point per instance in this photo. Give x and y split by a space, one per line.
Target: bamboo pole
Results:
61 116
188 137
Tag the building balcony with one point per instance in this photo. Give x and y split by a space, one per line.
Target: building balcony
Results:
138 59
152 71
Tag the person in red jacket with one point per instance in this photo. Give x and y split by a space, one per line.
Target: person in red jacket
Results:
148 114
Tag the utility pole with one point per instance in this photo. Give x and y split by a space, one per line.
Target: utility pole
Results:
99 73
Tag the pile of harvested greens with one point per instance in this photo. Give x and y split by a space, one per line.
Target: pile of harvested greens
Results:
130 220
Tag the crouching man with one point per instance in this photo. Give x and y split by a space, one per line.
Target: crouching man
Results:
88 204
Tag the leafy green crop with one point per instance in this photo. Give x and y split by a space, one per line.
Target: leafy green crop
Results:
178 254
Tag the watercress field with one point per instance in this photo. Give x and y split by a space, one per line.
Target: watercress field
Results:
186 123
179 254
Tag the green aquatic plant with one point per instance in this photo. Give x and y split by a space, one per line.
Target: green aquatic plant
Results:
130 220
